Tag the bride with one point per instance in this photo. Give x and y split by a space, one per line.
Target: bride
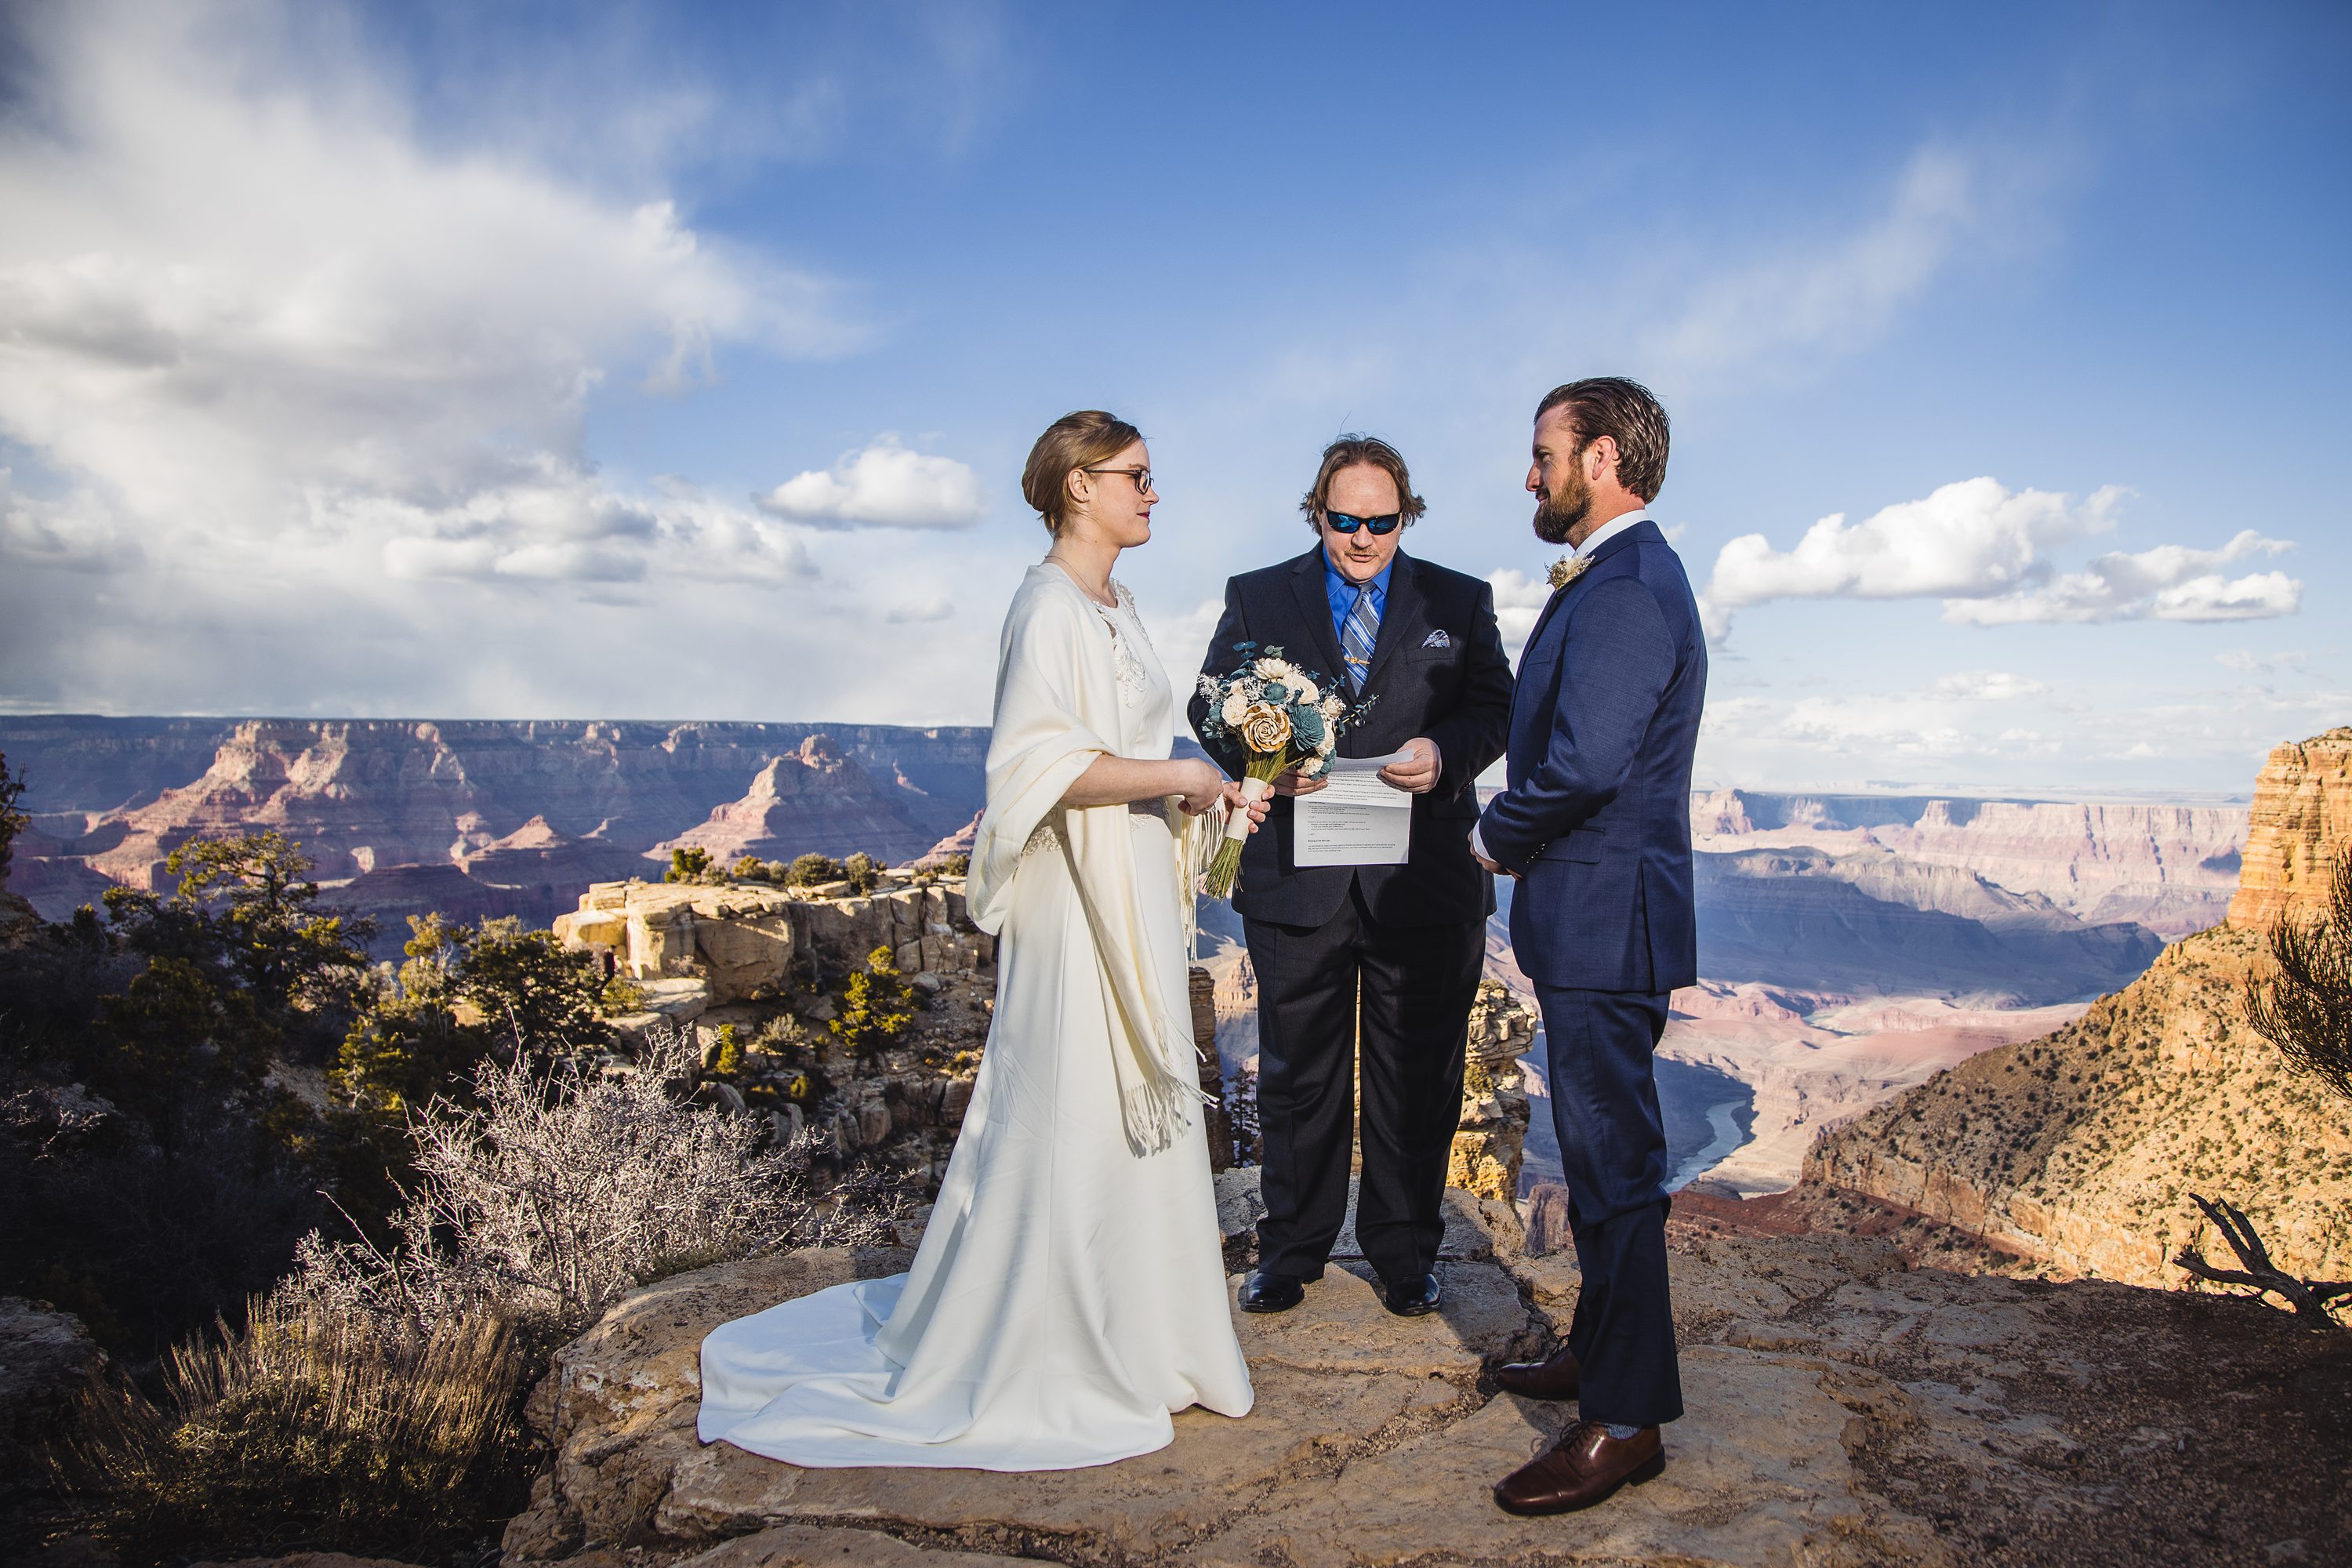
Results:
1070 1291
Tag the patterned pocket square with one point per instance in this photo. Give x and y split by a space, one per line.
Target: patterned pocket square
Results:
1437 639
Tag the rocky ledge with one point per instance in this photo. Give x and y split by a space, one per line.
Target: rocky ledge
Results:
1845 1408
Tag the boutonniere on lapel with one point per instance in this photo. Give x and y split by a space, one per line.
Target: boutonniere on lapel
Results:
1567 570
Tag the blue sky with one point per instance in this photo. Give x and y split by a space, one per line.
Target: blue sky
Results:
680 362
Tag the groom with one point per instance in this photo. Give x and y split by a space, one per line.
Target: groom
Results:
1596 826
1389 955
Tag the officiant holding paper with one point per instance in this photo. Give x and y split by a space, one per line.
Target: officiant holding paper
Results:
1348 940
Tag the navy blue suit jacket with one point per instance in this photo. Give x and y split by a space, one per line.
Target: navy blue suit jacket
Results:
1596 819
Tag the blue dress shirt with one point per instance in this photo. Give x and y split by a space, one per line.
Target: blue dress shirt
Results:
1343 595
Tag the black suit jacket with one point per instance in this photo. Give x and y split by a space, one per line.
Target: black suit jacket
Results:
1457 692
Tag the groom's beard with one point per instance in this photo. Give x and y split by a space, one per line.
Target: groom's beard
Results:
1560 510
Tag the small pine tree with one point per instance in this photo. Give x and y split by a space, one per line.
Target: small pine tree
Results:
863 872
687 864
749 869
875 1005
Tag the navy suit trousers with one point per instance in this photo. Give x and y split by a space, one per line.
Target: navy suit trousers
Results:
1612 1146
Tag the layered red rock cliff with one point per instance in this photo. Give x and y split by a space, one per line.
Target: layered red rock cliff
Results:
2302 819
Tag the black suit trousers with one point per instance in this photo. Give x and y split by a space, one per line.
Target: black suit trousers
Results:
1415 985
1598 1046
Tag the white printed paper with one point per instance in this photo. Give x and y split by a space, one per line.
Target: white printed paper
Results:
1355 819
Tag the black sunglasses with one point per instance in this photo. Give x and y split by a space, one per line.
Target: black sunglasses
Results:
1379 525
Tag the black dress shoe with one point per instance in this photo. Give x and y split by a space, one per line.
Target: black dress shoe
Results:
1413 1300
1268 1293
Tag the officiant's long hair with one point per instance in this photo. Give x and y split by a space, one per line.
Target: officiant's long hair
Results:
1074 441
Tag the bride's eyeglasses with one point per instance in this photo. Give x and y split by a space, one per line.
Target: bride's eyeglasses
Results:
1142 477
1341 522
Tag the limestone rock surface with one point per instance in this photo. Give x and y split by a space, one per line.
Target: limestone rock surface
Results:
1844 1409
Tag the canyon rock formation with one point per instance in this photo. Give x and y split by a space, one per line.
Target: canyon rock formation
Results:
2080 1150
2302 819
2169 868
472 817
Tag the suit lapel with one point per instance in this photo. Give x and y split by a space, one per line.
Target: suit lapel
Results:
1401 618
1644 533
1315 604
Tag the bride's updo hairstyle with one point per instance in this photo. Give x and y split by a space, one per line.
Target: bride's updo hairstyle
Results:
1074 441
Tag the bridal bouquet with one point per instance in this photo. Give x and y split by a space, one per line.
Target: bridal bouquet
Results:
1278 715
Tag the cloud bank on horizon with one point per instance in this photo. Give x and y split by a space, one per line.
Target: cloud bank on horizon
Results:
1983 551
343 371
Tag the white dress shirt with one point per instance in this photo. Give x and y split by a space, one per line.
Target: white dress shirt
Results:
1593 542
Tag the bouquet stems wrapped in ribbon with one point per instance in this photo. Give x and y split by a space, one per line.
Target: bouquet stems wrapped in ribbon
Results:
1280 717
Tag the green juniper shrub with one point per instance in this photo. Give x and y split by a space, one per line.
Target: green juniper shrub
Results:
862 871
12 821
808 870
466 994
163 1171
875 1005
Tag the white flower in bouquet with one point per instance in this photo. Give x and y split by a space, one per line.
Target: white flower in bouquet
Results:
1276 668
1305 689
1236 705
1208 687
1334 708
1313 766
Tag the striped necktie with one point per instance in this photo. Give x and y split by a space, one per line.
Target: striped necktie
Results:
1363 632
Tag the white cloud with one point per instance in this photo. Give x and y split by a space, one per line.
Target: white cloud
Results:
2170 583
2245 661
265 340
1965 540
934 610
1985 686
882 485
1984 550
1835 296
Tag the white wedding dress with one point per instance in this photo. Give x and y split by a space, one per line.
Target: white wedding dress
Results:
1070 1291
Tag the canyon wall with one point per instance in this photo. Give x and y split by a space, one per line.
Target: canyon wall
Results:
2169 868
2080 1149
473 817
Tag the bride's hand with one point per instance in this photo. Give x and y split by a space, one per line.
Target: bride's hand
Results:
1203 787
1235 801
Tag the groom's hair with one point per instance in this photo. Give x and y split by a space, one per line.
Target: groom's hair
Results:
1346 453
1626 413
1075 441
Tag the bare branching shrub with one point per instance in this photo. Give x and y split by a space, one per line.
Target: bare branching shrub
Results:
307 1428
555 1194
2305 1005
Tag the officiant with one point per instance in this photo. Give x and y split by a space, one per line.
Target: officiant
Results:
1385 954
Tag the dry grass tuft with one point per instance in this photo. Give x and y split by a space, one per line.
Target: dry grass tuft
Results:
306 1429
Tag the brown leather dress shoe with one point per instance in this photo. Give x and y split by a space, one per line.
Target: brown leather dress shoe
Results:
1554 1377
1584 1469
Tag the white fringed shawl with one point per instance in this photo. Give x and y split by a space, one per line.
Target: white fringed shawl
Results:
1057 700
